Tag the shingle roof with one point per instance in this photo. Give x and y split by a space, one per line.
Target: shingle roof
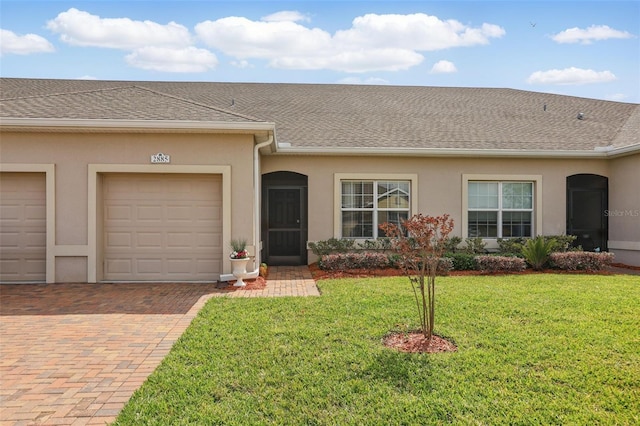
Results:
318 116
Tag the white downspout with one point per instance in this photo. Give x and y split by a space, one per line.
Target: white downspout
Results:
256 211
257 207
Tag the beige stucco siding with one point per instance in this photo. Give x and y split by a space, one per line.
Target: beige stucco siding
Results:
439 182
72 156
624 209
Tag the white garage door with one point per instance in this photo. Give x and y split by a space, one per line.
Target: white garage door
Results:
23 232
162 227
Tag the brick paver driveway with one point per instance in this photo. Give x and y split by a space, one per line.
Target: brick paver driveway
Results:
74 353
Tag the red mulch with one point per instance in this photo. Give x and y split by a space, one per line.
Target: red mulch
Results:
622 265
254 284
416 342
319 274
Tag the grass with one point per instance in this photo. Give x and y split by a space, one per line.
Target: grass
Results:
533 349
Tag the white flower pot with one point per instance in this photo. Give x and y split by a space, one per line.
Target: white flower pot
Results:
239 271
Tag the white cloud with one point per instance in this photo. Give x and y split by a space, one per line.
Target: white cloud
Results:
242 64
285 15
166 59
242 38
570 76
12 43
87 77
81 28
373 43
417 31
353 61
589 35
443 67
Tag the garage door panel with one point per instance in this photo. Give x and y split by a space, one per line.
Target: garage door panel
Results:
35 239
123 267
180 266
146 267
34 213
180 213
23 226
115 213
205 267
209 240
148 240
10 240
118 239
181 240
175 226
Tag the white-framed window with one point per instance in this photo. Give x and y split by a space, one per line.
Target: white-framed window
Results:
501 206
367 203
500 209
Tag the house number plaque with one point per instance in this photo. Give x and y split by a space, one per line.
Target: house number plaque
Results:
160 158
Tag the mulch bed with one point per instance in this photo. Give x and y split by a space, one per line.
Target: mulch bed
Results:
415 342
319 274
259 283
622 265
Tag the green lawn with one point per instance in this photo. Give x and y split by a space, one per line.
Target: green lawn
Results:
532 349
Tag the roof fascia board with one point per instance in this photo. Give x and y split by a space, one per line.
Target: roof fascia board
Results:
437 152
625 150
54 123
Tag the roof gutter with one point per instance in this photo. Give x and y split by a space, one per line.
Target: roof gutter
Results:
453 152
104 124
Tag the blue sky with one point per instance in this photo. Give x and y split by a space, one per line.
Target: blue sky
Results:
585 48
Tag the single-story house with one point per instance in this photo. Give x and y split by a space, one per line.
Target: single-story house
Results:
150 181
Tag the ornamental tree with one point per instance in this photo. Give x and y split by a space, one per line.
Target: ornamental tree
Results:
420 242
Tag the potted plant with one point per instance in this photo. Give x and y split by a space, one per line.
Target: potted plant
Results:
239 257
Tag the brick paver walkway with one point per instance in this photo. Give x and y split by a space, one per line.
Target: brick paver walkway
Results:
73 354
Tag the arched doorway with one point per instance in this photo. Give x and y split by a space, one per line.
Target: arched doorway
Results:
284 218
587 203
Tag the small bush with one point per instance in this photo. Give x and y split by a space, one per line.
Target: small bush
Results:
462 261
474 245
344 261
536 251
511 246
562 243
581 260
500 264
445 265
377 244
451 244
332 245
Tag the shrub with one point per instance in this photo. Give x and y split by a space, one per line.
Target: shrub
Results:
511 246
451 244
536 251
581 260
462 261
445 265
332 245
562 243
474 245
377 244
500 264
344 261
